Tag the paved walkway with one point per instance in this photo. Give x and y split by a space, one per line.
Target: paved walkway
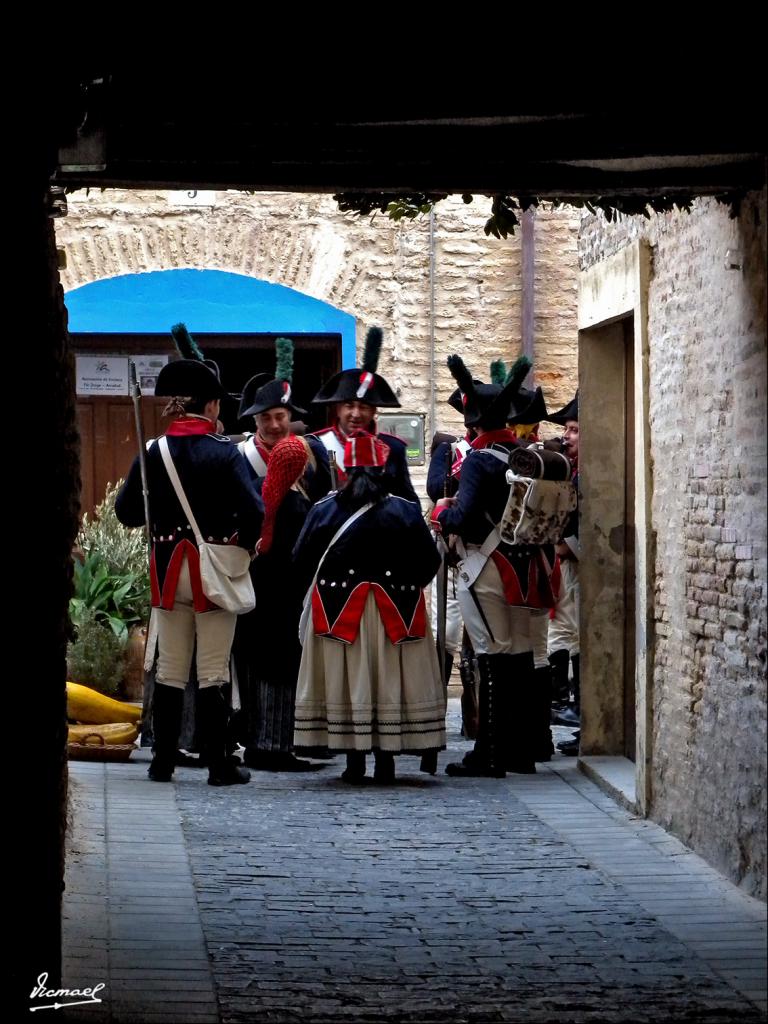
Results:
299 899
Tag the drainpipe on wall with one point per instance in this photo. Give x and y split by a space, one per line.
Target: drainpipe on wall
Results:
433 392
527 275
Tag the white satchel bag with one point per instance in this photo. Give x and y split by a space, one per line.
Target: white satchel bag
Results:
224 568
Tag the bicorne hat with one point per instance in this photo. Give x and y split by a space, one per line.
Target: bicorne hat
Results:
263 392
362 383
188 378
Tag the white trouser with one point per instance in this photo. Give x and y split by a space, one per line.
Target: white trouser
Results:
539 632
564 626
510 624
177 632
453 623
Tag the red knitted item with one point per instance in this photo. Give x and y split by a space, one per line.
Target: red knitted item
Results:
287 462
363 449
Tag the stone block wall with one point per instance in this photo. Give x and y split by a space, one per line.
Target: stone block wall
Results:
707 369
376 270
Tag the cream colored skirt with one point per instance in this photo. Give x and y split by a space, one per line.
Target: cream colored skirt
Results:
372 694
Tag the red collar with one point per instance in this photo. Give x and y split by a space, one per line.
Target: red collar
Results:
261 448
190 426
502 436
344 437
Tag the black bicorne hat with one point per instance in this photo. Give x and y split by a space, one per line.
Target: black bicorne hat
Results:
487 405
361 384
250 388
188 378
263 392
527 407
568 412
456 400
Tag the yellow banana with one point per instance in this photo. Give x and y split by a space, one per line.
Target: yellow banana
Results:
114 732
90 706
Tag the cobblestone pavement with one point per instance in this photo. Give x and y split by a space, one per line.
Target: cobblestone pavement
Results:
298 898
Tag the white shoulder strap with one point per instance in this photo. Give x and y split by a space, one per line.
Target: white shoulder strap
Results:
168 460
332 444
252 453
501 456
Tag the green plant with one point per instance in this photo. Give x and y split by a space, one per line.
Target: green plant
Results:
112 578
115 599
111 594
96 657
124 549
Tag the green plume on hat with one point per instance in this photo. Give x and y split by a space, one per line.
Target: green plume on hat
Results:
185 343
284 354
519 371
372 350
498 372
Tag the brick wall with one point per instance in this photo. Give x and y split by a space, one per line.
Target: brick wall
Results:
707 366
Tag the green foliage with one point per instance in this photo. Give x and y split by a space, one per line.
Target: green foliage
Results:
115 599
396 205
111 580
96 657
504 218
111 594
123 549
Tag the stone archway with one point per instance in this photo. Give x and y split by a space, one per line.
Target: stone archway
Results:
378 272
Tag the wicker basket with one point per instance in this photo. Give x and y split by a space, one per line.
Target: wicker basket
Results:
87 750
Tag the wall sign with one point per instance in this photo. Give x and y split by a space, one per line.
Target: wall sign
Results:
101 375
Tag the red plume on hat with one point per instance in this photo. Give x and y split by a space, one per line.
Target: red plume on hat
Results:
364 450
287 462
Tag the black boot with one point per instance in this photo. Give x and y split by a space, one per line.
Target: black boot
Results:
576 682
167 703
214 715
384 767
354 773
486 759
519 714
558 661
541 699
429 757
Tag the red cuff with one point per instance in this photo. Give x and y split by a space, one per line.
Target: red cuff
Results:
440 506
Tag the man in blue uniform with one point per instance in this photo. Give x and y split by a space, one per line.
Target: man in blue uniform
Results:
499 584
228 511
267 651
356 395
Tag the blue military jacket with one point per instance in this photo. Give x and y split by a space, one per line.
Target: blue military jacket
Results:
388 550
222 497
529 573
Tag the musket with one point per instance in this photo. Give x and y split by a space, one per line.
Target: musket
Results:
333 466
136 396
149 633
429 757
442 582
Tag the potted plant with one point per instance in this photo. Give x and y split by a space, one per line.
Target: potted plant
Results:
110 605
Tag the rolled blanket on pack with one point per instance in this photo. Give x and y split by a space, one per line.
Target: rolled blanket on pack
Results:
539 463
